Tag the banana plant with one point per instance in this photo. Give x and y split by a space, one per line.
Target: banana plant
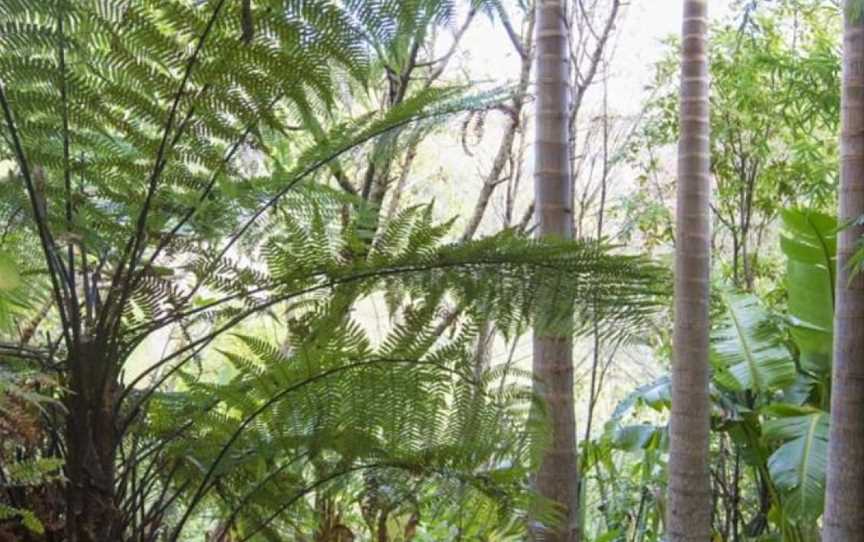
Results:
809 242
747 351
770 381
798 465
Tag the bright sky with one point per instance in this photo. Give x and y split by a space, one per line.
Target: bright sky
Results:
452 178
487 56
645 23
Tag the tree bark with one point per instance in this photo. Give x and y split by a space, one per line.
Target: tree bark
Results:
91 440
689 511
844 513
553 352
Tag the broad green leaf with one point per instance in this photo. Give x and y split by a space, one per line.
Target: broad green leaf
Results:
636 437
657 395
798 465
809 242
746 348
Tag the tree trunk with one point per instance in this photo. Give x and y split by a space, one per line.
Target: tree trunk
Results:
689 510
844 513
91 439
553 352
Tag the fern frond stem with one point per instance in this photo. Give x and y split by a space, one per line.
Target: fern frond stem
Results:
205 485
133 461
237 507
305 491
162 505
211 183
52 261
134 247
161 154
150 327
137 500
317 165
75 308
195 349
25 352
266 304
85 286
133 280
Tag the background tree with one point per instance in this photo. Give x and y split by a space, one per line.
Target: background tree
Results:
689 508
557 478
844 519
775 110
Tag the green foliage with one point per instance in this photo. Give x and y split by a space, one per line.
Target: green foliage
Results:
769 387
330 405
747 352
775 115
798 466
20 405
12 298
28 519
809 241
160 177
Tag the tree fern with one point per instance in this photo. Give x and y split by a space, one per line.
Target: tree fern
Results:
128 124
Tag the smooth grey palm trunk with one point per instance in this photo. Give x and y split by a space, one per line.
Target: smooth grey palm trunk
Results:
844 507
688 516
557 478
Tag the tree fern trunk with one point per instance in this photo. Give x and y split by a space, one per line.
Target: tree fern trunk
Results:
553 351
91 441
844 509
689 510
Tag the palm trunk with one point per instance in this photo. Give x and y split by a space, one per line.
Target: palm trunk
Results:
689 510
844 513
553 352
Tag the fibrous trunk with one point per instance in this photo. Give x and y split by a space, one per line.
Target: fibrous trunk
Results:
689 507
844 508
91 438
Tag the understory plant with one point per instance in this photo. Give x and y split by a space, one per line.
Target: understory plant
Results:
770 399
